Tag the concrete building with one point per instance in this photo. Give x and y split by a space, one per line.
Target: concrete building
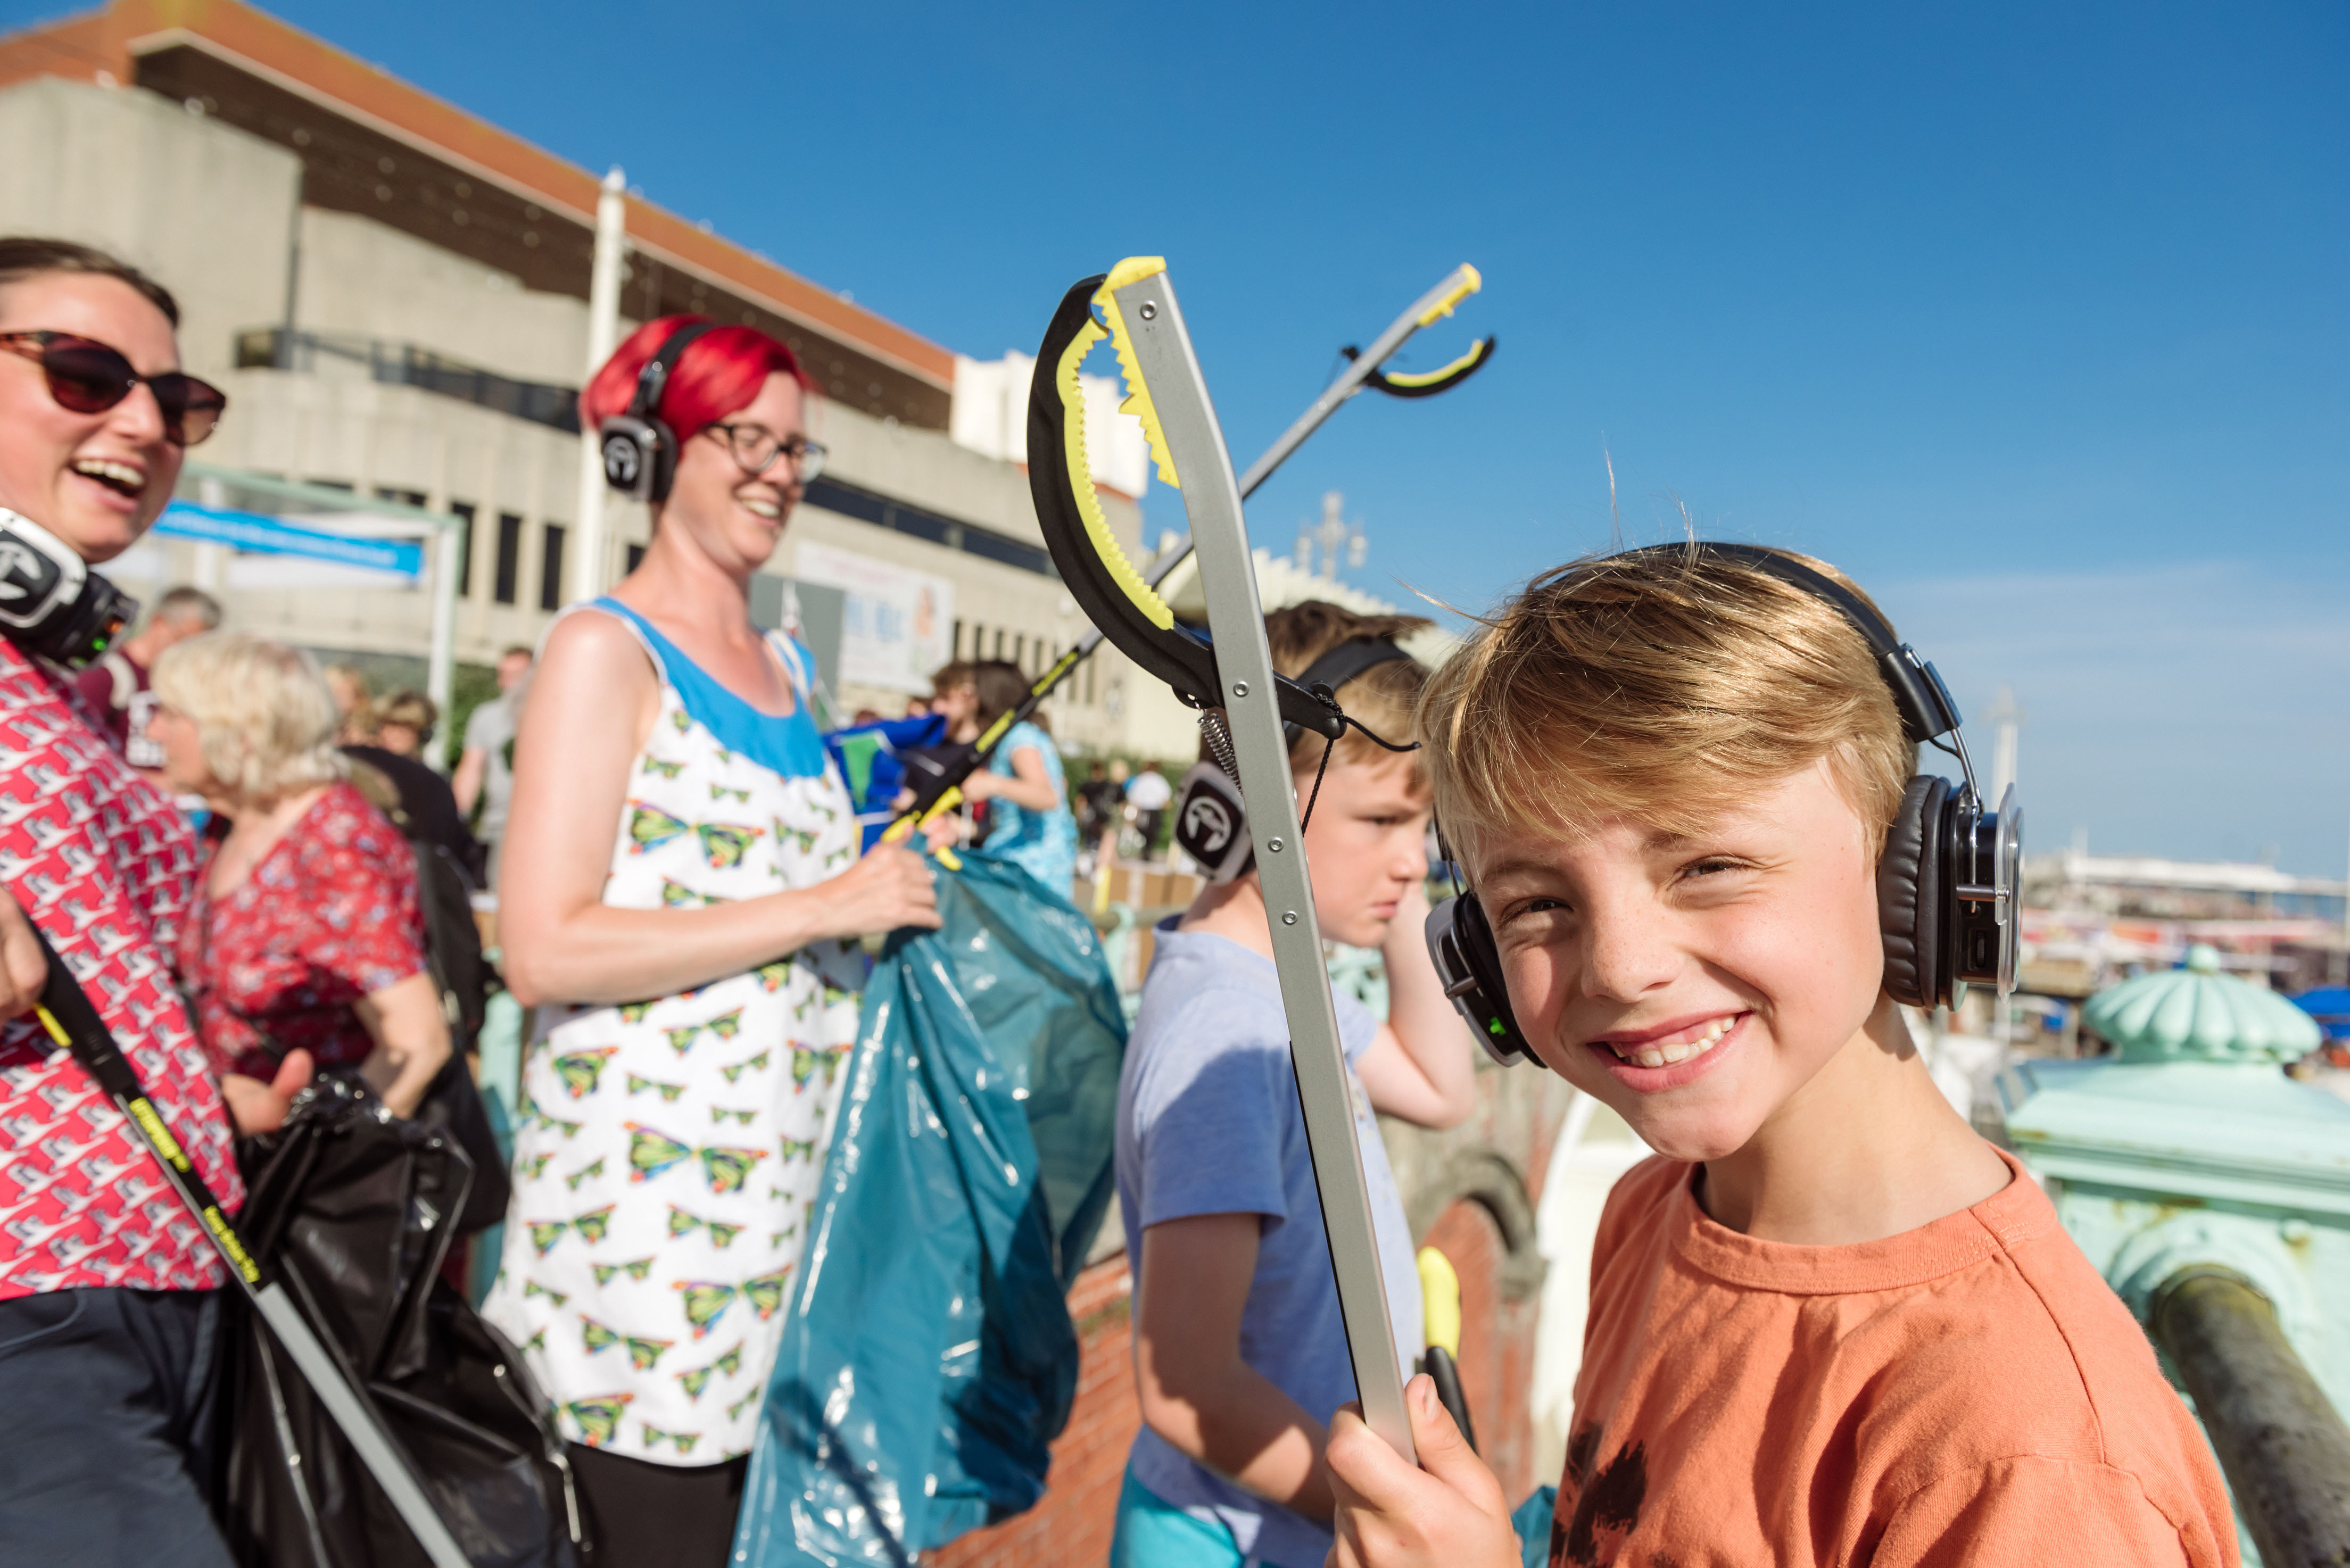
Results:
394 294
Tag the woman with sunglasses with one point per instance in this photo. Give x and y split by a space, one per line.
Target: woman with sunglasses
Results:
109 1299
681 898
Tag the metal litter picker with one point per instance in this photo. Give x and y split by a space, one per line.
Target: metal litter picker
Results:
1229 670
66 1012
1364 367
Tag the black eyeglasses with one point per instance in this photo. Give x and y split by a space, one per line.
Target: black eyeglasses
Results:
756 447
89 378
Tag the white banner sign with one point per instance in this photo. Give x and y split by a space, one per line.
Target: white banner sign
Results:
898 625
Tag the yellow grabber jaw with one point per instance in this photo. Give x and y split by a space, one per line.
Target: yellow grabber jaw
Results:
1428 383
1092 565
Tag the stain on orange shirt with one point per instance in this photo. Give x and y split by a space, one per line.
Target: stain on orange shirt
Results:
1969 1392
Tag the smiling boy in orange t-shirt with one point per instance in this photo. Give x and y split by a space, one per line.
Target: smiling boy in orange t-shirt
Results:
1829 1322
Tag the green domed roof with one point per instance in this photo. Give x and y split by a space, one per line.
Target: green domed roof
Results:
2200 1014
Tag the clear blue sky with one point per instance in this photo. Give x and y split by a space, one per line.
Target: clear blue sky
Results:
2034 322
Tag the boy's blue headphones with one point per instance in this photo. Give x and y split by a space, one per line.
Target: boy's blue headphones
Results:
1945 888
1209 823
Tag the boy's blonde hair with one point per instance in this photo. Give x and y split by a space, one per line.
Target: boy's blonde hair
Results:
1381 698
262 711
1660 686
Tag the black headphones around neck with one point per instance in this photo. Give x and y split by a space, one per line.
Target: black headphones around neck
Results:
51 603
1946 887
1211 825
640 450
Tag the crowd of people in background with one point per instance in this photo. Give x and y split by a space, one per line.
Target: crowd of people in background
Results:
284 879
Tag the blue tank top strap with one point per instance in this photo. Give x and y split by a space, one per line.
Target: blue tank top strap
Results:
788 744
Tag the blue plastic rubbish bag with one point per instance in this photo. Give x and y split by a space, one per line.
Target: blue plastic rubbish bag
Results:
929 1360
1531 1521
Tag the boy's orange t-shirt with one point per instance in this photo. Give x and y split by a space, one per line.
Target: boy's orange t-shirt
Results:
1971 1392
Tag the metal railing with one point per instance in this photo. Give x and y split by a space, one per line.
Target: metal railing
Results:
406 365
2279 1440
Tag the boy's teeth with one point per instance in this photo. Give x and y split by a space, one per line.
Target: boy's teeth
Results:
1665 1055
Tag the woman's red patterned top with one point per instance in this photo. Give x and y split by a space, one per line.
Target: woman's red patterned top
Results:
104 865
329 915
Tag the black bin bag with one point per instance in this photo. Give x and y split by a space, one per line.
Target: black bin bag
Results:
354 1211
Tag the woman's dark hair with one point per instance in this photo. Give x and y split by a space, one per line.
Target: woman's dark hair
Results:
21 257
1000 687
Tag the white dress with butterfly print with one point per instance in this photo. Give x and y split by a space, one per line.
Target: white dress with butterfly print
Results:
668 1151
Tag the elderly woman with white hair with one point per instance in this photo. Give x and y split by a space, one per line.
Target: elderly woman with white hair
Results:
307 934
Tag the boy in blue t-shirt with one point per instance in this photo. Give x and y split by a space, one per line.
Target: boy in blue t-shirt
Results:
1240 1357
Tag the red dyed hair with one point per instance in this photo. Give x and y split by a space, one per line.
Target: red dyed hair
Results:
720 372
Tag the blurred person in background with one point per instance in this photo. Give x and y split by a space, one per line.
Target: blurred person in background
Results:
117 685
306 933
484 775
1149 793
681 901
1114 815
1093 798
110 1294
954 698
404 722
1023 789
354 703
399 783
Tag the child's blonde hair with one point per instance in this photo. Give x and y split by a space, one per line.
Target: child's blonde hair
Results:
1381 698
1660 686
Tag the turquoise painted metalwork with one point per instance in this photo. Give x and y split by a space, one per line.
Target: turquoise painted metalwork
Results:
2200 1014
2192 1147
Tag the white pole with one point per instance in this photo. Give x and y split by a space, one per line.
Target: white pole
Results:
440 663
603 334
2003 747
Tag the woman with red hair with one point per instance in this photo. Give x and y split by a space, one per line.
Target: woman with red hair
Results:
681 899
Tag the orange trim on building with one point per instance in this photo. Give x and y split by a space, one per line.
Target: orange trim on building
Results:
108 42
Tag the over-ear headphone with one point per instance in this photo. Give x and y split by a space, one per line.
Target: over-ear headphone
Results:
640 450
1210 822
51 603
1946 887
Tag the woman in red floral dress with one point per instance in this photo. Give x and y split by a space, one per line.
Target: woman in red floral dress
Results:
306 933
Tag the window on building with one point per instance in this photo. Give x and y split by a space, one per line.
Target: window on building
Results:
636 557
550 569
464 511
404 497
1020 650
509 558
957 644
999 644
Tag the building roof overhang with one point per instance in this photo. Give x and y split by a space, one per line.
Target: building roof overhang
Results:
279 82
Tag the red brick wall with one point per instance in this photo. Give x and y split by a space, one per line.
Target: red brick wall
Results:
1071 1526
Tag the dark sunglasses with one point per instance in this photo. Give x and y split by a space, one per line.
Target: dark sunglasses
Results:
89 378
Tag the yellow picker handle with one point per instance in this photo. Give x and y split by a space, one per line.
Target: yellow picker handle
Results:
1440 1293
901 830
